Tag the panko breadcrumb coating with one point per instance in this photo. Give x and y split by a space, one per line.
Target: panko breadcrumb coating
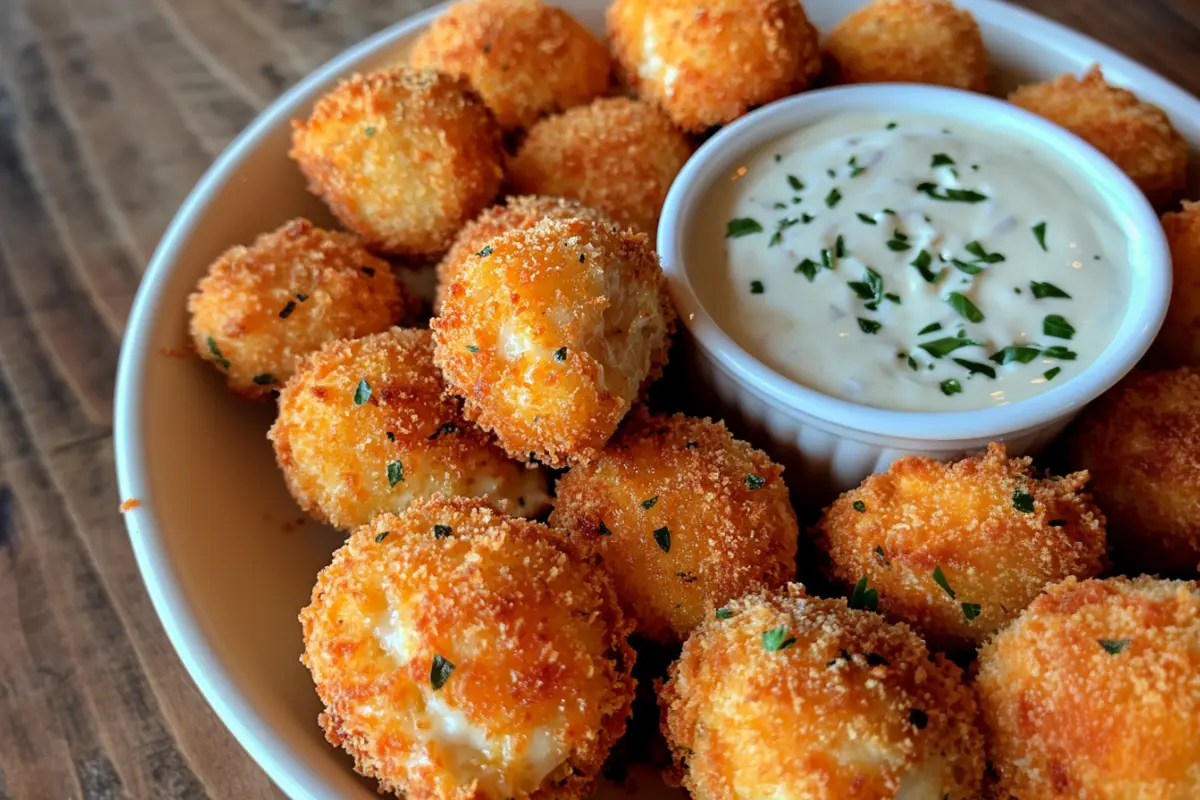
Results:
985 527
517 213
261 307
617 155
790 697
346 461
403 157
1141 443
524 57
685 516
909 41
1094 693
1178 343
549 334
707 62
464 655
1136 135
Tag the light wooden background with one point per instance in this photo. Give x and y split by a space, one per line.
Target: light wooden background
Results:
109 112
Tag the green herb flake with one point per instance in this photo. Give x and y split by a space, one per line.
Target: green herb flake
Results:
922 262
472 348
778 158
891 126
216 352
898 245
287 310
724 613
778 205
662 537
808 268
743 226
265 379
869 325
839 247
941 160
971 611
939 578
833 198
912 364
1059 352
1113 646
806 218
395 473
963 305
362 392
440 672
796 184
756 287
982 255
1019 353
485 252
826 258
754 482
946 345
974 367
777 639
1042 290
1051 373
560 354
869 220
864 598
649 503
369 131
951 195
442 531
1057 326
1039 233
379 539
930 328
1022 501
859 506
882 556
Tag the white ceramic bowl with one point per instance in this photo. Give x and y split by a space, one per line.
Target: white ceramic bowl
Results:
225 563
836 443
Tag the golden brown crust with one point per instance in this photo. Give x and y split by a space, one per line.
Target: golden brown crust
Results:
1066 716
962 518
724 506
909 41
284 296
1178 343
344 462
1136 135
707 62
403 157
534 633
1141 443
517 213
524 57
855 707
549 334
617 155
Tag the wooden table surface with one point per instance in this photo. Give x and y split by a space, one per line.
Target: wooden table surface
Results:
109 112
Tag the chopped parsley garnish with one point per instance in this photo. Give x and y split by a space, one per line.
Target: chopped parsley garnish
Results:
756 287
891 125
743 226
560 354
939 578
833 198
602 529
855 169
826 258
922 262
724 613
381 537
1057 326
839 247
265 379
898 243
754 482
912 363
444 428
216 351
287 310
779 205
946 345
869 220
777 639
362 392
442 531
1022 501
1039 233
395 473
472 348
1113 646
485 252
1042 290
962 304
941 160
869 325
784 224
951 195
795 183
1051 373
882 556
892 298
662 537
831 173
1020 353
973 367
301 296
439 673
930 328
808 268
859 506
870 287
950 386
982 255
649 504
778 158
864 598
369 131
964 266
918 718
971 610
806 218
1059 352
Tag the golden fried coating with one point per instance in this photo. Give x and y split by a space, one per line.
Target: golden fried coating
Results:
985 526
685 516
1094 693
524 57
403 157
346 461
465 655
707 62
517 213
261 307
617 155
1141 443
790 697
549 333
1178 343
1136 135
909 41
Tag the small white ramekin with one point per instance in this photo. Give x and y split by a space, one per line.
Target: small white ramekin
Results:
829 444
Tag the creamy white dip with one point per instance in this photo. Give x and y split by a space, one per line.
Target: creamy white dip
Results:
912 263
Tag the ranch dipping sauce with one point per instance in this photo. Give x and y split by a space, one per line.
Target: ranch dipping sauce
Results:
912 262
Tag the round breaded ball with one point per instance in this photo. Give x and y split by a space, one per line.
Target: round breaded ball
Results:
524 57
517 213
909 41
1094 692
1178 343
1141 444
617 155
403 157
799 698
1136 135
708 62
261 307
461 653
685 516
957 550
346 461
550 333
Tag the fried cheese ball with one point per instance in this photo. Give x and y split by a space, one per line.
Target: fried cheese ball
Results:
1094 692
1178 343
790 697
403 157
708 62
685 516
1136 135
524 57
261 307
909 41
549 334
1141 443
517 213
346 461
465 655
617 155
957 550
